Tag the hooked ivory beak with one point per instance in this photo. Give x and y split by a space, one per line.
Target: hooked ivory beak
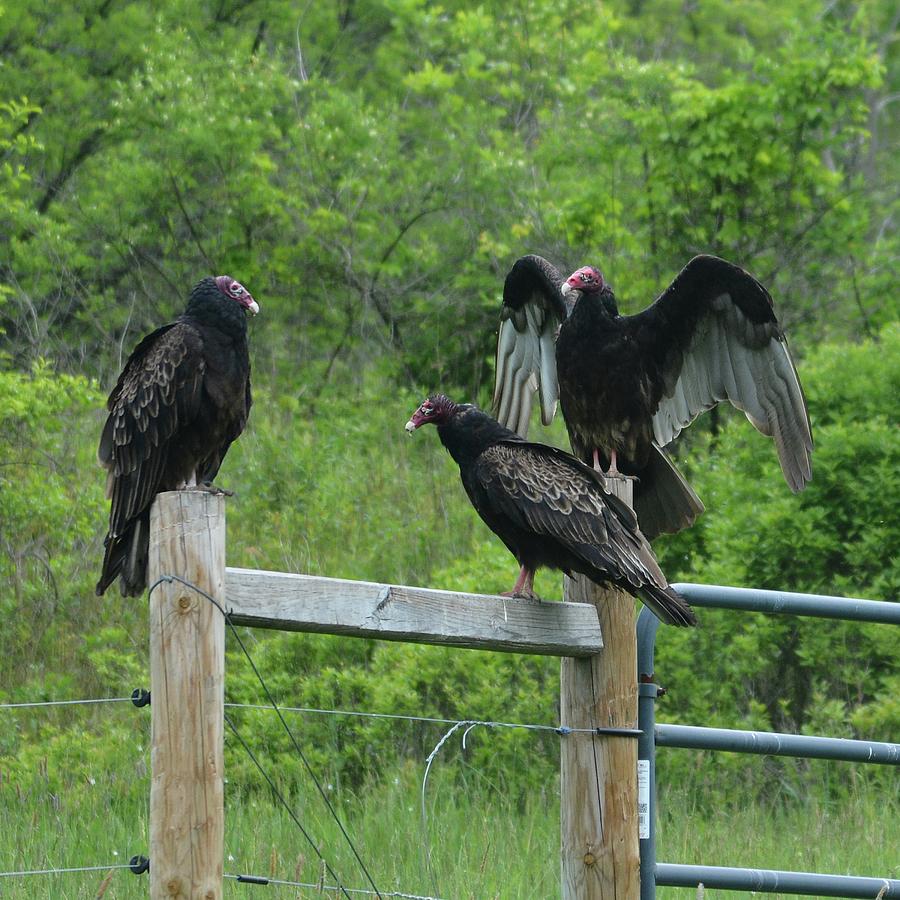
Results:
410 427
253 307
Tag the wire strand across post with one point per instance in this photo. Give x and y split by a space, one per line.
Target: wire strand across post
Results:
170 579
187 678
598 773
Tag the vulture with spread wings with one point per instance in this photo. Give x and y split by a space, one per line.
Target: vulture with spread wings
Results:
628 385
182 398
549 508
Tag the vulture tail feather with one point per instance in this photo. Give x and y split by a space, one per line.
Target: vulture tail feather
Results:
667 606
126 556
663 500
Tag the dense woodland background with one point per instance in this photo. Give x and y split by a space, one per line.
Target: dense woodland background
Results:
370 169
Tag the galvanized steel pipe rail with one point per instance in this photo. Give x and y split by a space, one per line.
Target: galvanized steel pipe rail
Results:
770 881
734 740
751 600
770 743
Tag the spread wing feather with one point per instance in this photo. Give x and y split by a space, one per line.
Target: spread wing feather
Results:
158 391
711 336
533 309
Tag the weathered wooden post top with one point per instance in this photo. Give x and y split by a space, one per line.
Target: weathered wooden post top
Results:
599 847
187 677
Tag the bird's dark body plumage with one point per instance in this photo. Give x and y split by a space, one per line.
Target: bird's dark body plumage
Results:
628 385
615 387
548 508
181 399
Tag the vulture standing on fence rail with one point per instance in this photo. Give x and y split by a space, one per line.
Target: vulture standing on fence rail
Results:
182 398
549 508
628 385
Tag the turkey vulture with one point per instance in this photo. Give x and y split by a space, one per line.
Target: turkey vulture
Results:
549 508
182 398
628 385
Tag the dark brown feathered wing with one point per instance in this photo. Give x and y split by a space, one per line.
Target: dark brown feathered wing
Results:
158 392
712 335
549 493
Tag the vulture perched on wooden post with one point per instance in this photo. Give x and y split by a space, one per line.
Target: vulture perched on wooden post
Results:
549 508
628 385
182 398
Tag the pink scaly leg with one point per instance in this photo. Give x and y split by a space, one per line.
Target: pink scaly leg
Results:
529 583
524 586
612 471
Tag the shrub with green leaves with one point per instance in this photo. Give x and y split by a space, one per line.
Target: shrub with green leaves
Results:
373 201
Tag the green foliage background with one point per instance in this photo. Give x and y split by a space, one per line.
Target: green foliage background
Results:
370 170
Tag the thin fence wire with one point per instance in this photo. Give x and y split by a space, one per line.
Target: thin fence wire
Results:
594 753
431 757
455 724
245 879
561 730
271 699
65 871
38 703
319 886
285 804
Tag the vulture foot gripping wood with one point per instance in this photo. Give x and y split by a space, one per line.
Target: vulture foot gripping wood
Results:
214 489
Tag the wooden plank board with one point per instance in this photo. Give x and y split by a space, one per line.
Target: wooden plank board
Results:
292 602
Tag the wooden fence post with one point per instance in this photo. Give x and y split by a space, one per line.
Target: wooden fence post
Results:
598 775
187 665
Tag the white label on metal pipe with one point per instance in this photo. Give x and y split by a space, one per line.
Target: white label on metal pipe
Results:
643 774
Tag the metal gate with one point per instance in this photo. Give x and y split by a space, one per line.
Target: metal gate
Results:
769 743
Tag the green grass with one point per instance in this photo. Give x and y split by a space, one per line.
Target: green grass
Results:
483 845
851 837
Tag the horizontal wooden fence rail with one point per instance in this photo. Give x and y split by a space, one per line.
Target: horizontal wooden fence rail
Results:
290 602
